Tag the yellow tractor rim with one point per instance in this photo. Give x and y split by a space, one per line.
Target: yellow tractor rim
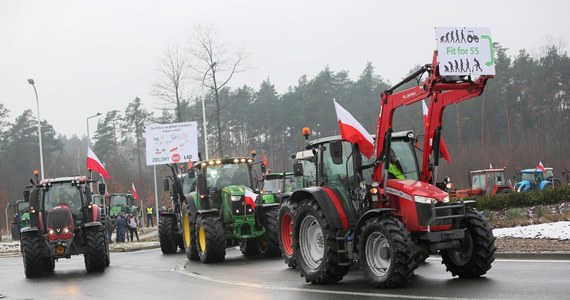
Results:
202 234
186 230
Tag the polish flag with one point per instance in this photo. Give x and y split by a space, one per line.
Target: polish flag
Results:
135 194
442 146
250 197
540 167
93 163
264 159
490 166
353 131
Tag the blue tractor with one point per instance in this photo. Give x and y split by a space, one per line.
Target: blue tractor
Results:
536 179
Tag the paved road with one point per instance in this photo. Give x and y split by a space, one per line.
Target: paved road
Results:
148 274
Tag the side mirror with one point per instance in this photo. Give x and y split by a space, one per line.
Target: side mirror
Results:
336 152
165 185
191 173
34 206
26 195
8 205
88 196
102 188
298 169
263 169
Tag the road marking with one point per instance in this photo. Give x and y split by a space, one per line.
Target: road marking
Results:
181 270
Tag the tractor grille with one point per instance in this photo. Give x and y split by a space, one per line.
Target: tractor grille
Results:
444 213
238 208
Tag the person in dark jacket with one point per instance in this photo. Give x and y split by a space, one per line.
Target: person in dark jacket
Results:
121 228
110 228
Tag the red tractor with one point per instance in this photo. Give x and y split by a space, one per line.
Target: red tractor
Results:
64 221
357 212
487 182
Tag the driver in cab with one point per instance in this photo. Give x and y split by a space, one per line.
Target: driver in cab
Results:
395 170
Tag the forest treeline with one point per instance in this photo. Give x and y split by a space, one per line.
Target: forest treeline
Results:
523 117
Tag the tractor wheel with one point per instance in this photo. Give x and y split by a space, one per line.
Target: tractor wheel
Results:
167 234
95 252
107 254
15 232
189 234
477 251
386 252
269 242
32 255
286 216
210 238
249 247
48 264
315 246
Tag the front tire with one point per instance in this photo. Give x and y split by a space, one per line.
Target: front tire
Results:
210 238
95 252
477 251
314 245
189 234
269 242
386 252
32 255
167 234
286 216
48 264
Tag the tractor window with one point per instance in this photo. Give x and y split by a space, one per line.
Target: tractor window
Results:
548 173
500 178
478 181
118 200
188 184
336 173
219 176
62 193
407 159
272 185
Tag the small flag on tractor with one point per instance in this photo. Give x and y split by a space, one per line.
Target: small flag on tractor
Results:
540 167
352 131
135 194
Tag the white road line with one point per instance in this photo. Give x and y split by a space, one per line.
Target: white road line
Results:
181 270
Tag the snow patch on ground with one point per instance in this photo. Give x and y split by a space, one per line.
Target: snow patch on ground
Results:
556 231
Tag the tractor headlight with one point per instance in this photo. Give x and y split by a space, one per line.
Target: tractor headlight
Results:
51 232
446 199
449 185
65 230
424 200
235 198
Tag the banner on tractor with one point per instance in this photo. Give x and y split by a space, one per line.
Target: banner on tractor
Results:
465 51
171 143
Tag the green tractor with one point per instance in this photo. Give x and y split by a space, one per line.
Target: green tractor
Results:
21 217
274 185
221 210
121 202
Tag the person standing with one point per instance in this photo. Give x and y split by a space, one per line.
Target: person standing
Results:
110 228
133 226
149 213
121 226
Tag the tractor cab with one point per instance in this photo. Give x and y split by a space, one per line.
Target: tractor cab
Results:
64 195
118 203
486 182
274 185
536 179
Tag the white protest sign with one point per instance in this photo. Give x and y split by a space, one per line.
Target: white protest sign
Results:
465 51
171 143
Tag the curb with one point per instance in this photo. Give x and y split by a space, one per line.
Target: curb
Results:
553 255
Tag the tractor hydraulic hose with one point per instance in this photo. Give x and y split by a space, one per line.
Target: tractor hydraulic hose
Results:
410 77
436 144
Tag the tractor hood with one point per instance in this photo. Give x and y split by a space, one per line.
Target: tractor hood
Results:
410 189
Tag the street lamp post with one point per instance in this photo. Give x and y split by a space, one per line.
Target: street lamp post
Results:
31 81
93 116
204 109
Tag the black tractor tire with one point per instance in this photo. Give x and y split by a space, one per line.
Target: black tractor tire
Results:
15 232
286 216
314 245
249 247
107 254
48 264
167 234
477 250
189 234
95 250
269 242
32 254
210 238
386 252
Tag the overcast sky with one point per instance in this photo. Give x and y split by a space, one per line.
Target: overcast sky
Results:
97 56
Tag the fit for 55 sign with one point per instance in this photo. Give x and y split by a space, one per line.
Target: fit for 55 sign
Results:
171 143
465 51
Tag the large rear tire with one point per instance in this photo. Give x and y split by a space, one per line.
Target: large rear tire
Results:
269 242
386 252
95 251
32 254
315 246
286 216
210 238
189 234
167 234
477 251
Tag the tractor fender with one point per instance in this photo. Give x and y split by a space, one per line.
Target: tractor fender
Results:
92 224
544 184
522 186
192 209
208 211
369 214
331 204
29 230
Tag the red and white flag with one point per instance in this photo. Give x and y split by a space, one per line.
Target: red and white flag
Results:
250 197
264 159
540 167
442 146
135 194
490 166
352 131
93 163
